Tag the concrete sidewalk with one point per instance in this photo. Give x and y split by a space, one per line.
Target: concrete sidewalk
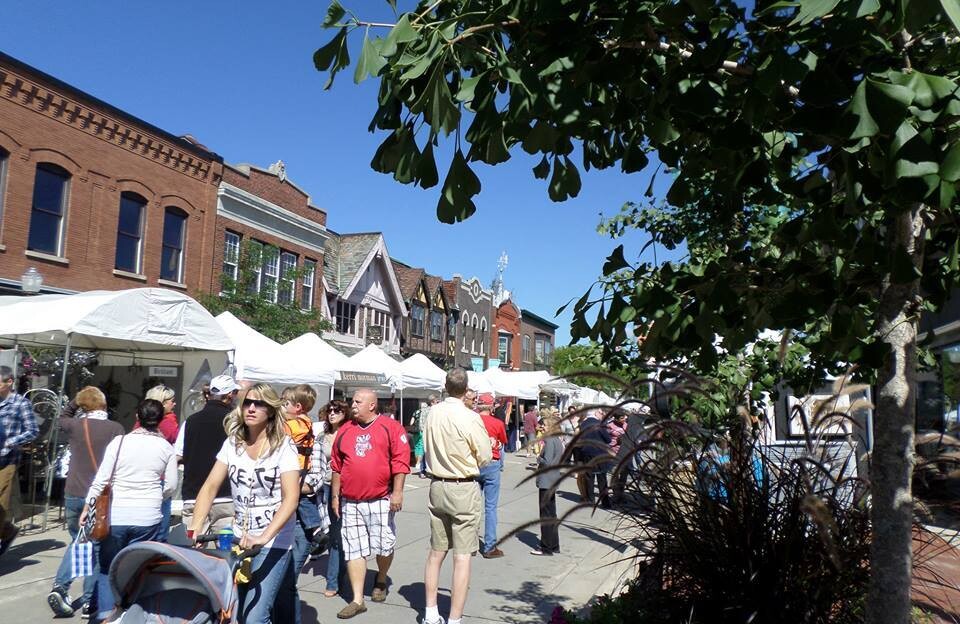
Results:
519 588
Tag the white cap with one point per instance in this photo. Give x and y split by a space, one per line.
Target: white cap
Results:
223 384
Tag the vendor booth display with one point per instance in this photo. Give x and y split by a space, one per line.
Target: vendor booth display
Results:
157 323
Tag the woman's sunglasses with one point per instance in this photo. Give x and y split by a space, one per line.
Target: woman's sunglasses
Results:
248 402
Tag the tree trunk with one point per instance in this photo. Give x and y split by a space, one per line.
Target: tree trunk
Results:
891 465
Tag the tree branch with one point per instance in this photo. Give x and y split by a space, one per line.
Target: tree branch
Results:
469 32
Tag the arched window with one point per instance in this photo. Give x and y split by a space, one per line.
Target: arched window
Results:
174 235
473 335
51 191
483 336
130 233
466 327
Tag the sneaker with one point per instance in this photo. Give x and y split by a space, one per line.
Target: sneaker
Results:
60 602
87 611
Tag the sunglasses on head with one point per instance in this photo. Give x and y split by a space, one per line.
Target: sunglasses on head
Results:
255 403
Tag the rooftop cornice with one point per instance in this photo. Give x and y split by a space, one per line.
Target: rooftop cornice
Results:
69 106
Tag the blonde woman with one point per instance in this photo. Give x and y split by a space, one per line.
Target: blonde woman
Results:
264 471
169 426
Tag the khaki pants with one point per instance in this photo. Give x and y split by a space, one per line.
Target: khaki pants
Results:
8 483
220 517
454 510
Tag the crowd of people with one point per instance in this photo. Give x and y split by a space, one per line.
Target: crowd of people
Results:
254 463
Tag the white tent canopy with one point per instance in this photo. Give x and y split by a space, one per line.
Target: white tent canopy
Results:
372 359
141 319
480 383
258 358
419 372
310 346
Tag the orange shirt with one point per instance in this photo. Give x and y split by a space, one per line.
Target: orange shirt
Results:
300 430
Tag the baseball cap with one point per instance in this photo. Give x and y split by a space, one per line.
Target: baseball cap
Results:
223 384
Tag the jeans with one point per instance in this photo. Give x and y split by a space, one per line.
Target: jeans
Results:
335 561
307 513
490 484
165 521
73 506
271 588
298 555
120 537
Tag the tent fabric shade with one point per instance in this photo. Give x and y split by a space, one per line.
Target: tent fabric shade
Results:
420 373
260 359
372 359
139 319
310 346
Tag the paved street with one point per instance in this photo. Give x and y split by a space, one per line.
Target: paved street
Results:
519 588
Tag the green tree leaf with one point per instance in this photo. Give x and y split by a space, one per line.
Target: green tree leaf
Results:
370 62
459 188
952 9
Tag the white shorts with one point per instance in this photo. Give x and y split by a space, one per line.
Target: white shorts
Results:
367 528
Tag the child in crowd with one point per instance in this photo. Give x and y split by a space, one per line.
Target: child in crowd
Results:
297 403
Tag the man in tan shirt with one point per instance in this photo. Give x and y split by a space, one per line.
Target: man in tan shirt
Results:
456 444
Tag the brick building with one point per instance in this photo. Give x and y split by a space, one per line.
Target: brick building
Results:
536 347
96 198
505 341
262 209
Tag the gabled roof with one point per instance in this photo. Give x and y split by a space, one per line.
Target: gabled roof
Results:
434 286
408 278
345 255
450 290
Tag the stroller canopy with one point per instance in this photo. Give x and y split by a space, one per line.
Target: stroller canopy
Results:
137 561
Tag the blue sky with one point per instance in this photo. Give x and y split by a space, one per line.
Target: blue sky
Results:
239 77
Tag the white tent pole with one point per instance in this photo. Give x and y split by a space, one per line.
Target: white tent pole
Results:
401 403
55 430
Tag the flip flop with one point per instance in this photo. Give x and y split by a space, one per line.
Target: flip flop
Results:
379 593
330 593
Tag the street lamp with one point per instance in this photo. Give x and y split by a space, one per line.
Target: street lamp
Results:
30 281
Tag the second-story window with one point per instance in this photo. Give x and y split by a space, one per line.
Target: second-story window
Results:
171 256
538 355
288 269
503 348
416 320
306 288
346 318
271 272
51 190
130 233
436 325
526 348
466 327
231 258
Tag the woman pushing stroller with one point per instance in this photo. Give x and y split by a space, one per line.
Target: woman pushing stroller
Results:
264 472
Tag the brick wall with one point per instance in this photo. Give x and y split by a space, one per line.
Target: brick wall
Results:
267 186
507 318
106 153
